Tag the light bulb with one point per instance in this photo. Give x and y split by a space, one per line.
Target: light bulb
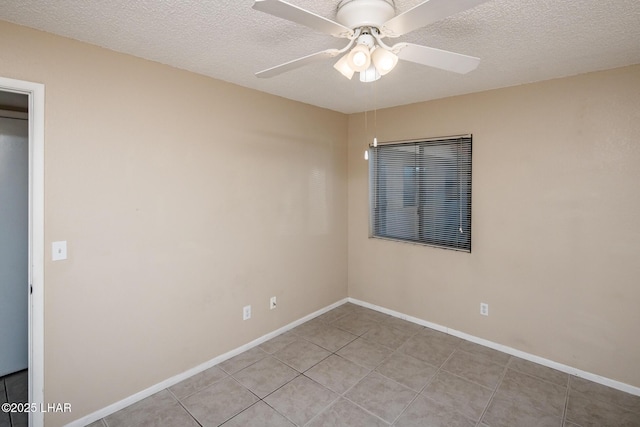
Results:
359 58
366 154
375 141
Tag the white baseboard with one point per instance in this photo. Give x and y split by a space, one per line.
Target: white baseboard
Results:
505 349
101 413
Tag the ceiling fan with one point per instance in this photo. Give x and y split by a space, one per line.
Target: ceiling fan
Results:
365 23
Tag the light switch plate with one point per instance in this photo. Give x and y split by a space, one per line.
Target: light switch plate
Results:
58 251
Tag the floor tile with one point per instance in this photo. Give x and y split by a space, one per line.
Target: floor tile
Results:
351 307
504 412
373 315
218 402
278 343
381 396
17 391
431 347
432 333
301 354
336 313
426 412
605 394
491 355
527 390
309 326
387 336
587 411
17 387
474 367
197 382
468 398
355 323
345 414
365 353
242 360
265 376
160 409
19 419
337 374
329 338
534 369
5 420
407 370
259 415
402 324
301 399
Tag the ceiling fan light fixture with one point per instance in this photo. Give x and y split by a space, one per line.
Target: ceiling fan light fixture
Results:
365 23
371 74
384 60
343 66
359 58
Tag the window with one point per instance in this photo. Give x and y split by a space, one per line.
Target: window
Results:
421 192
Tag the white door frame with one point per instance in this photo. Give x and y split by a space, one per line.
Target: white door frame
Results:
35 91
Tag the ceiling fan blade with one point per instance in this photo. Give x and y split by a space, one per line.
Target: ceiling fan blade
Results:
296 14
423 14
297 63
437 58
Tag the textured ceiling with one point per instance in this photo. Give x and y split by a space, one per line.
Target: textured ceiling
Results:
519 41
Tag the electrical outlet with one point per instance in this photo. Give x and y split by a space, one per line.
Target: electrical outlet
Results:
272 303
246 312
484 309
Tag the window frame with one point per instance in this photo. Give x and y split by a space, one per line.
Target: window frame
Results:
373 186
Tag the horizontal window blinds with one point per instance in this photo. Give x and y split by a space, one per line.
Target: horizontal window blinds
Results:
421 192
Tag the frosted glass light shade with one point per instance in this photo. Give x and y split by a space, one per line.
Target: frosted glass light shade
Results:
343 66
384 60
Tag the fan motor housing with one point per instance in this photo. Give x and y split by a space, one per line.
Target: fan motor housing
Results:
365 13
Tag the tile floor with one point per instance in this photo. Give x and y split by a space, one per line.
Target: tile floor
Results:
13 389
357 367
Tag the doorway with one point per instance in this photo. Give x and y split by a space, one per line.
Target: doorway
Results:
14 256
22 249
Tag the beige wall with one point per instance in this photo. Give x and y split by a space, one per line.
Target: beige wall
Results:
182 199
555 240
